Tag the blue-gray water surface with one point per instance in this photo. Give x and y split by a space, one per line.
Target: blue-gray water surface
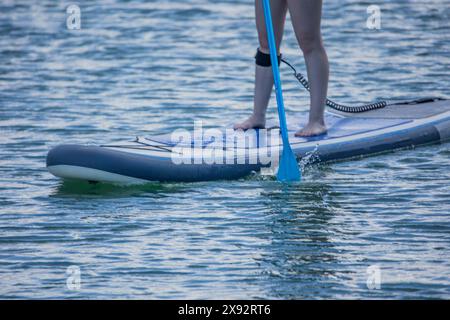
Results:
147 67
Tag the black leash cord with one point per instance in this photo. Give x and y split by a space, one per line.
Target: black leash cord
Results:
334 105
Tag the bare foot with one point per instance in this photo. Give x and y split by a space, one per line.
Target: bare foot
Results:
252 122
312 129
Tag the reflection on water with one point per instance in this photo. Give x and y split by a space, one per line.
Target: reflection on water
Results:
301 252
74 188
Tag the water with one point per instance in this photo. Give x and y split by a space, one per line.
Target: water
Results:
138 68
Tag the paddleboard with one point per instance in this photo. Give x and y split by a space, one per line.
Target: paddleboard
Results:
216 154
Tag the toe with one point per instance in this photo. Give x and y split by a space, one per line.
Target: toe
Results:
301 133
239 126
305 132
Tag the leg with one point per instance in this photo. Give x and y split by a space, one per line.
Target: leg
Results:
306 16
264 75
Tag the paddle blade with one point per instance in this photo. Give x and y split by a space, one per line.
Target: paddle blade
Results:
288 169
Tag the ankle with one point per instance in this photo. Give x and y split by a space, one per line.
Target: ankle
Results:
259 116
319 121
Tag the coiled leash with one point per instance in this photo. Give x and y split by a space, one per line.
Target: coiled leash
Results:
334 105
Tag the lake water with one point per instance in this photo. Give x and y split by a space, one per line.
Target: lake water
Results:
147 67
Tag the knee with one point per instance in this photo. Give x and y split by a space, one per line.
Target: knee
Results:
310 41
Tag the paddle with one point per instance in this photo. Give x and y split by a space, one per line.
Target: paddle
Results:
288 169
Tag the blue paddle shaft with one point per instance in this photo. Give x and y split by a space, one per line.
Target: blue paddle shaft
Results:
288 169
276 71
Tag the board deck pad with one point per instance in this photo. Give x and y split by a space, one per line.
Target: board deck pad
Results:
338 127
